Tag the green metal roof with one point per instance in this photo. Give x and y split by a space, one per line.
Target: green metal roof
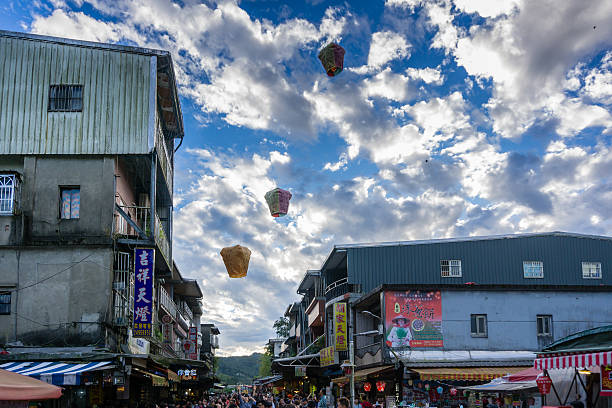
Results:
599 338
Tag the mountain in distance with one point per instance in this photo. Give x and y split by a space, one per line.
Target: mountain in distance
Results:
238 369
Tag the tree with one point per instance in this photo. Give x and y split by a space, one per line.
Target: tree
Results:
265 362
281 326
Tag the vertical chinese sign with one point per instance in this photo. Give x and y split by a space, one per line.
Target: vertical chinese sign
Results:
193 338
340 326
606 381
413 318
143 292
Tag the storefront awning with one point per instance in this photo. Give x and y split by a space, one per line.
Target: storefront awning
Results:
503 386
362 374
53 372
465 373
572 361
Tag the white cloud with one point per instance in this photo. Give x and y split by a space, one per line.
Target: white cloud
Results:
387 46
427 75
487 8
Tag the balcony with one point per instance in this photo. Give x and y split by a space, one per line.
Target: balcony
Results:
167 303
339 288
315 312
134 222
165 159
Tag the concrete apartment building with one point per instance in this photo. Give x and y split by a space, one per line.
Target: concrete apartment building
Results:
88 133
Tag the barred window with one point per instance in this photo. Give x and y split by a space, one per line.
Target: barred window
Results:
591 270
66 98
450 268
8 193
5 303
533 269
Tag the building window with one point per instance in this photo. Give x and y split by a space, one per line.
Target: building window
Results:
8 193
5 303
479 325
533 269
591 270
544 325
65 98
450 268
70 202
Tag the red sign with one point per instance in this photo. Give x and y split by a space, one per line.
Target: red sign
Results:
544 384
606 381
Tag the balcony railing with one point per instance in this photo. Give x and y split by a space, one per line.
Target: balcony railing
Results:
140 217
339 288
186 312
123 290
166 302
163 155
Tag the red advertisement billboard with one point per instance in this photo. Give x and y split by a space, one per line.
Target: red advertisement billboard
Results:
413 318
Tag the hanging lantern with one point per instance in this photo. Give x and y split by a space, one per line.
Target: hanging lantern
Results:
278 202
367 387
453 391
440 390
427 387
236 260
332 58
380 386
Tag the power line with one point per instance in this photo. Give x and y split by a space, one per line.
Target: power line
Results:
55 274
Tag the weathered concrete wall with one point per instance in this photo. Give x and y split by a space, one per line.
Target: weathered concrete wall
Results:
60 295
512 317
41 198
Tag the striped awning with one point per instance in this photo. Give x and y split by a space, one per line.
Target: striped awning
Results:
574 361
53 372
465 373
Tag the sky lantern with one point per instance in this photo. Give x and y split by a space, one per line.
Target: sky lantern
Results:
453 391
332 58
236 260
278 202
380 386
367 387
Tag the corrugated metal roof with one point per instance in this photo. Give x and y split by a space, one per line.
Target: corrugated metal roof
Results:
492 260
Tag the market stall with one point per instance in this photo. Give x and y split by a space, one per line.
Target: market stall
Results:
17 387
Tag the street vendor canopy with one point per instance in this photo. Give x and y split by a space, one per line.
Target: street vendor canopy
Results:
53 372
17 387
574 361
465 373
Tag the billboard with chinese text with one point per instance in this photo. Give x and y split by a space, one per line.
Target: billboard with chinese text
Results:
327 356
340 332
144 268
413 318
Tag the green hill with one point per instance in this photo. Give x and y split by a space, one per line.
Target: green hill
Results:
238 369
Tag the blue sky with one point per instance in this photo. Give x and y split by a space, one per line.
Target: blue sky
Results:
451 118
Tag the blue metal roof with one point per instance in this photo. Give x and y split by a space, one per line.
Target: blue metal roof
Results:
491 260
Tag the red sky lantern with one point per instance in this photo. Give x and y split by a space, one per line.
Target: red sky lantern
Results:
332 58
278 202
453 391
380 386
367 387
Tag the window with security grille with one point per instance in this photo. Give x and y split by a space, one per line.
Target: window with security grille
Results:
70 205
544 323
450 268
8 193
65 98
533 269
591 270
5 303
479 325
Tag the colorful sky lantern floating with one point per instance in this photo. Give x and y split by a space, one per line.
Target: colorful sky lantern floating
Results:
236 260
332 58
278 202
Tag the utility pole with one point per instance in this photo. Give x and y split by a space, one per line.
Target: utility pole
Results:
352 359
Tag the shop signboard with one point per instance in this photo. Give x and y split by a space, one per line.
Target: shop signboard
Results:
340 332
193 337
413 318
168 333
187 374
544 383
300 371
606 381
327 356
138 345
143 292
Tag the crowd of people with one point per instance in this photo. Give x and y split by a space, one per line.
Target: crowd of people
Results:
261 400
